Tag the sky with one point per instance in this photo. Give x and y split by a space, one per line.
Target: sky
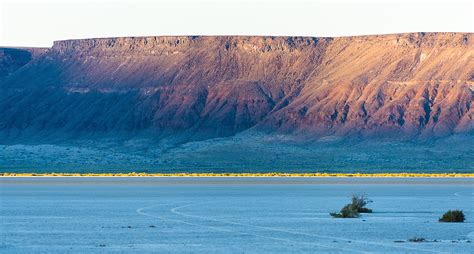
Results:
40 22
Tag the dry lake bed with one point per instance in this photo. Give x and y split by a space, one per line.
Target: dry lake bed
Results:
231 215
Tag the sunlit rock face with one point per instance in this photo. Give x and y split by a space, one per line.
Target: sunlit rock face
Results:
391 86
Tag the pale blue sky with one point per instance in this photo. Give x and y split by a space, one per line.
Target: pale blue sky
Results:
40 22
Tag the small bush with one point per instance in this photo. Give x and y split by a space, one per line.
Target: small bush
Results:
452 216
359 203
353 209
347 211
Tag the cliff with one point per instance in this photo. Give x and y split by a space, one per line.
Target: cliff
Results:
391 86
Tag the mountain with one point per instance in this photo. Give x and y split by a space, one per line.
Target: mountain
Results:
179 90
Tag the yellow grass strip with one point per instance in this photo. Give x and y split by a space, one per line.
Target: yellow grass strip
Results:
135 174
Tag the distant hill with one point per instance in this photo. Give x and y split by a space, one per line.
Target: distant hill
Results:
11 59
172 91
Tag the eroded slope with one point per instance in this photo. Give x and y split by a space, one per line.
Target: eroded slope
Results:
403 85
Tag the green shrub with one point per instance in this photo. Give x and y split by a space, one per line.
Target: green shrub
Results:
453 216
359 203
353 209
347 211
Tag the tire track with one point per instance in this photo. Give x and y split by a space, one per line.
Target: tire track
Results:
175 211
141 212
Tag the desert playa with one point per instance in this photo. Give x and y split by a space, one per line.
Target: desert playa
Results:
217 214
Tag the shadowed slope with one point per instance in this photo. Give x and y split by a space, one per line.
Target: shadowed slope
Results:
12 59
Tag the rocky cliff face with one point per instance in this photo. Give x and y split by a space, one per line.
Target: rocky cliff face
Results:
404 85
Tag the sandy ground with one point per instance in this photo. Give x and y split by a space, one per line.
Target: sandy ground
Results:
231 215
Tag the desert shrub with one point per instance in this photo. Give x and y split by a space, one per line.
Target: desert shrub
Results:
453 216
359 203
353 209
347 211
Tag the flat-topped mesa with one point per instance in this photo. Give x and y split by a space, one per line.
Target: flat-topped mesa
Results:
156 44
415 39
210 86
149 45
128 44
